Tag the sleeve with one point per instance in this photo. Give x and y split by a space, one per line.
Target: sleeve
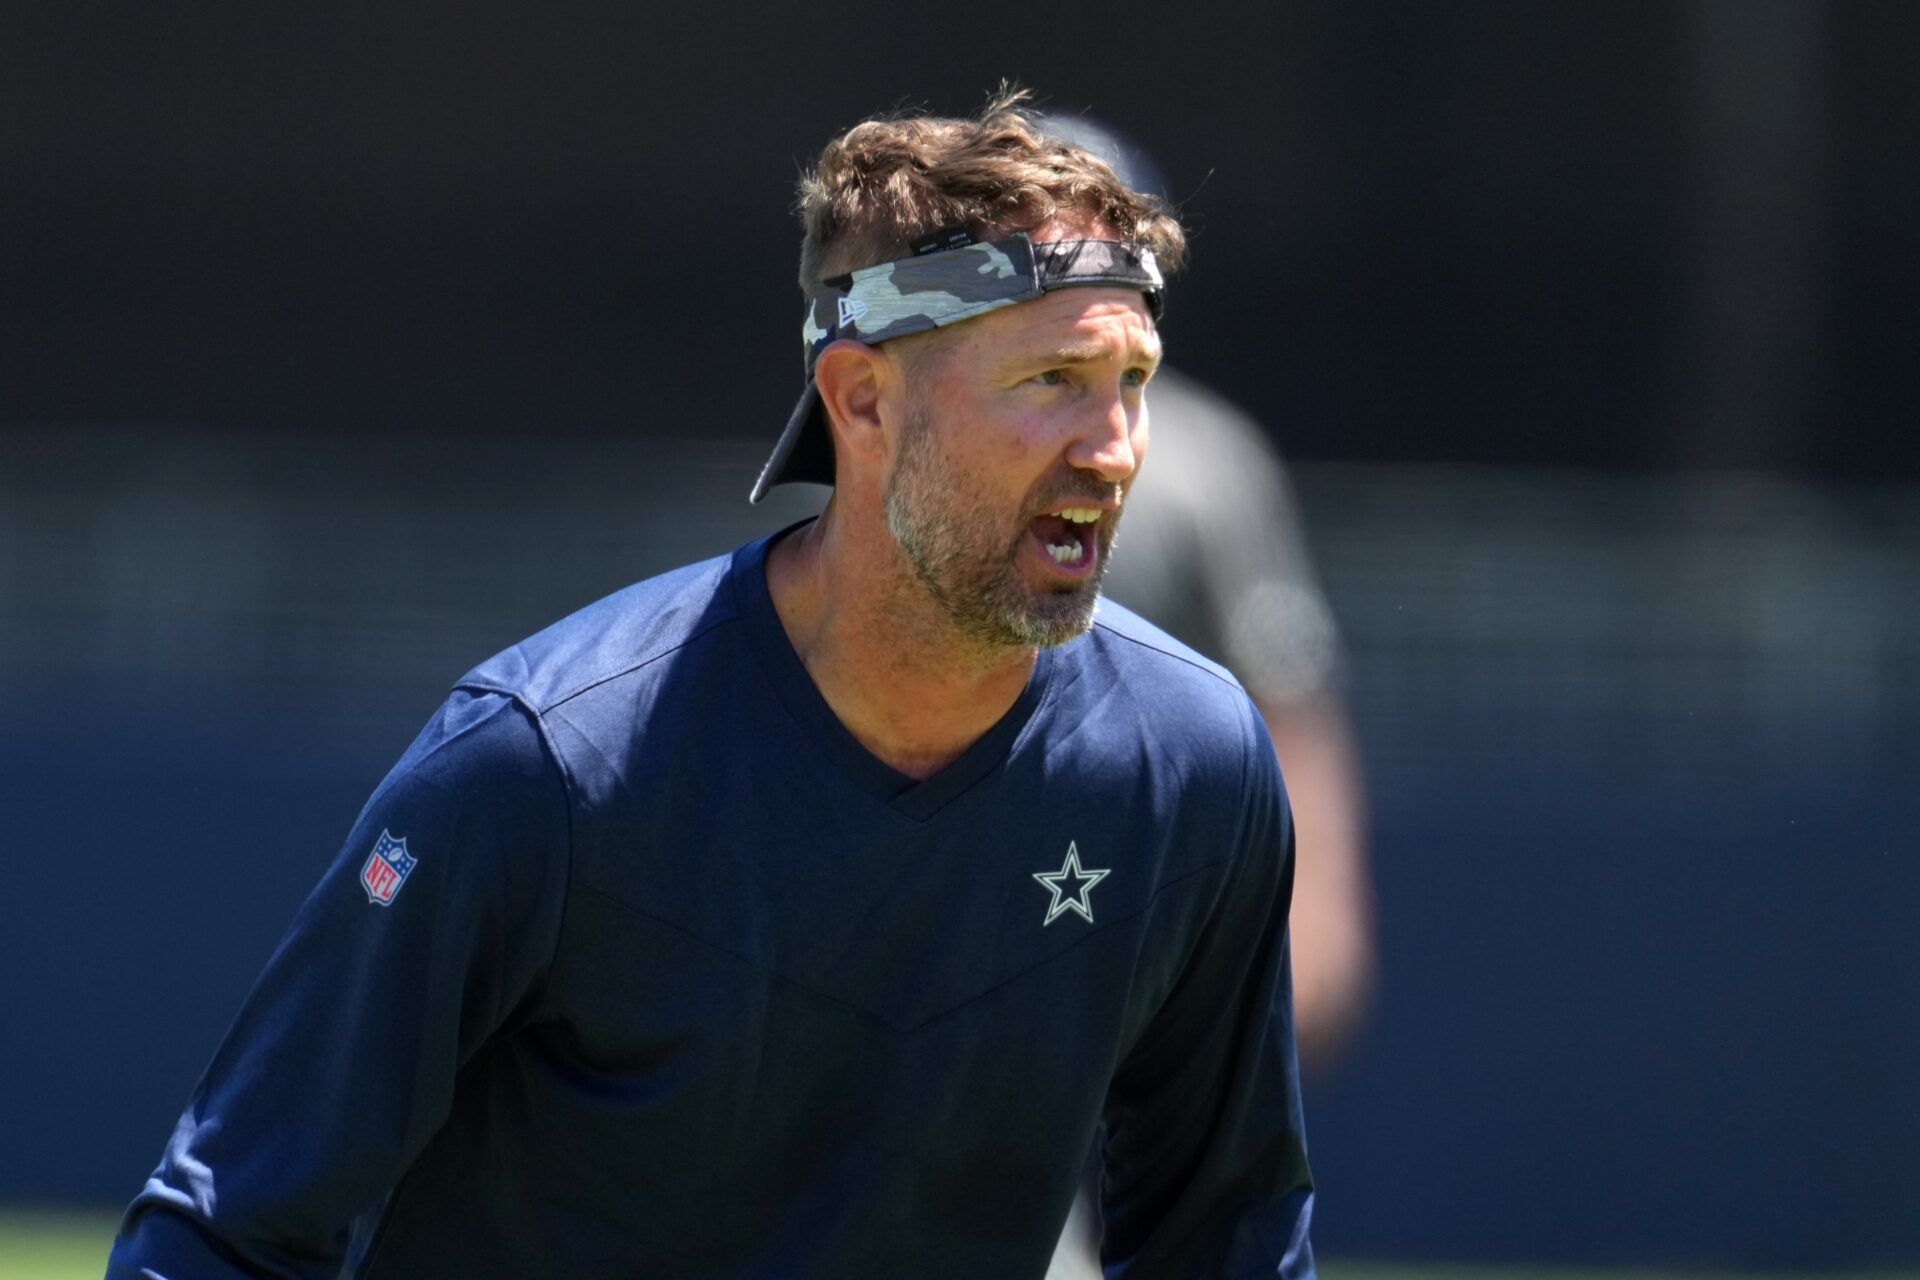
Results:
1205 1162
430 933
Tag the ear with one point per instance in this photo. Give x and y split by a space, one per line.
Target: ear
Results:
852 378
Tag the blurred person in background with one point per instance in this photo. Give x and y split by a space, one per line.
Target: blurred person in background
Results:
1215 553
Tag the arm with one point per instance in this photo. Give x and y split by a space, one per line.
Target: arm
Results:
1278 635
1206 1169
1332 918
341 1064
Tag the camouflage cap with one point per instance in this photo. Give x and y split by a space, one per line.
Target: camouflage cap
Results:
932 290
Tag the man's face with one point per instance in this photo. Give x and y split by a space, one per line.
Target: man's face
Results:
1024 432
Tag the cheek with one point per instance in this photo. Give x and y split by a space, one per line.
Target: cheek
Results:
990 450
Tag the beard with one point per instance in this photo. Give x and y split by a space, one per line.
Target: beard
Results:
967 556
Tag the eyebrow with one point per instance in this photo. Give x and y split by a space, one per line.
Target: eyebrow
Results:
1088 354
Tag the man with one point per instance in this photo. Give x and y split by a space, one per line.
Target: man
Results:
803 912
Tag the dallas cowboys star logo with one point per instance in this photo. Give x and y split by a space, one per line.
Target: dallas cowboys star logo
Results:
1074 898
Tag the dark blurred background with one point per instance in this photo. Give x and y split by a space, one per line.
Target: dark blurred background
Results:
338 352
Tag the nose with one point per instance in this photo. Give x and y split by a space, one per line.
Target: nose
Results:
1112 438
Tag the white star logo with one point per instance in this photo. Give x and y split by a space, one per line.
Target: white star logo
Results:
1072 899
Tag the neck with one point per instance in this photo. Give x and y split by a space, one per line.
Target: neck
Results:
907 684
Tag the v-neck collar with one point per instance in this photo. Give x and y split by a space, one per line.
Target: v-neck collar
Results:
911 797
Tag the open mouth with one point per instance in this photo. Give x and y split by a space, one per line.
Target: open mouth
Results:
1066 538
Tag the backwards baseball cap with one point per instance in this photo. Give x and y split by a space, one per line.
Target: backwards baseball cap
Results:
950 277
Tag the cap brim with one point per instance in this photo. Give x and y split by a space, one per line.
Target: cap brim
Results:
804 451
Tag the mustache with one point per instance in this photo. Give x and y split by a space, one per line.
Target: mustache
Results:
1081 488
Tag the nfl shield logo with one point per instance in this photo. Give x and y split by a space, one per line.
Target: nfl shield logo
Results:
387 869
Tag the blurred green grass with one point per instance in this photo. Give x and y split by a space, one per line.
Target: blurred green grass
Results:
73 1246
54 1246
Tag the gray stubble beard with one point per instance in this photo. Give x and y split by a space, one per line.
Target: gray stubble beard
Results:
975 584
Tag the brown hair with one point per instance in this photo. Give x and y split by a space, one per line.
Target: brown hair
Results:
888 181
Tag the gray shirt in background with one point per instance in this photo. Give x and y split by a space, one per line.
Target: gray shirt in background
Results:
1210 547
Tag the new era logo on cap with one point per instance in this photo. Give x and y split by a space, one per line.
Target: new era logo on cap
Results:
851 309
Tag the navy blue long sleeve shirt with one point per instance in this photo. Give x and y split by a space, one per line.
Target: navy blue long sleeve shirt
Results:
639 964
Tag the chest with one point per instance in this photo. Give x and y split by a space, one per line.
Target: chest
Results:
761 957
787 873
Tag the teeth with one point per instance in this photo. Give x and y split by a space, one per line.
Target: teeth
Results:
1081 515
1064 553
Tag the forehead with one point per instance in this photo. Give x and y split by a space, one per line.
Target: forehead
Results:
1078 316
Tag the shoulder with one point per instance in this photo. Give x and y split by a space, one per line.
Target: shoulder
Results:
481 751
1180 698
1175 730
1125 638
625 632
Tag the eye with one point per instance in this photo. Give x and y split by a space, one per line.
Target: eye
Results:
1051 378
1137 377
